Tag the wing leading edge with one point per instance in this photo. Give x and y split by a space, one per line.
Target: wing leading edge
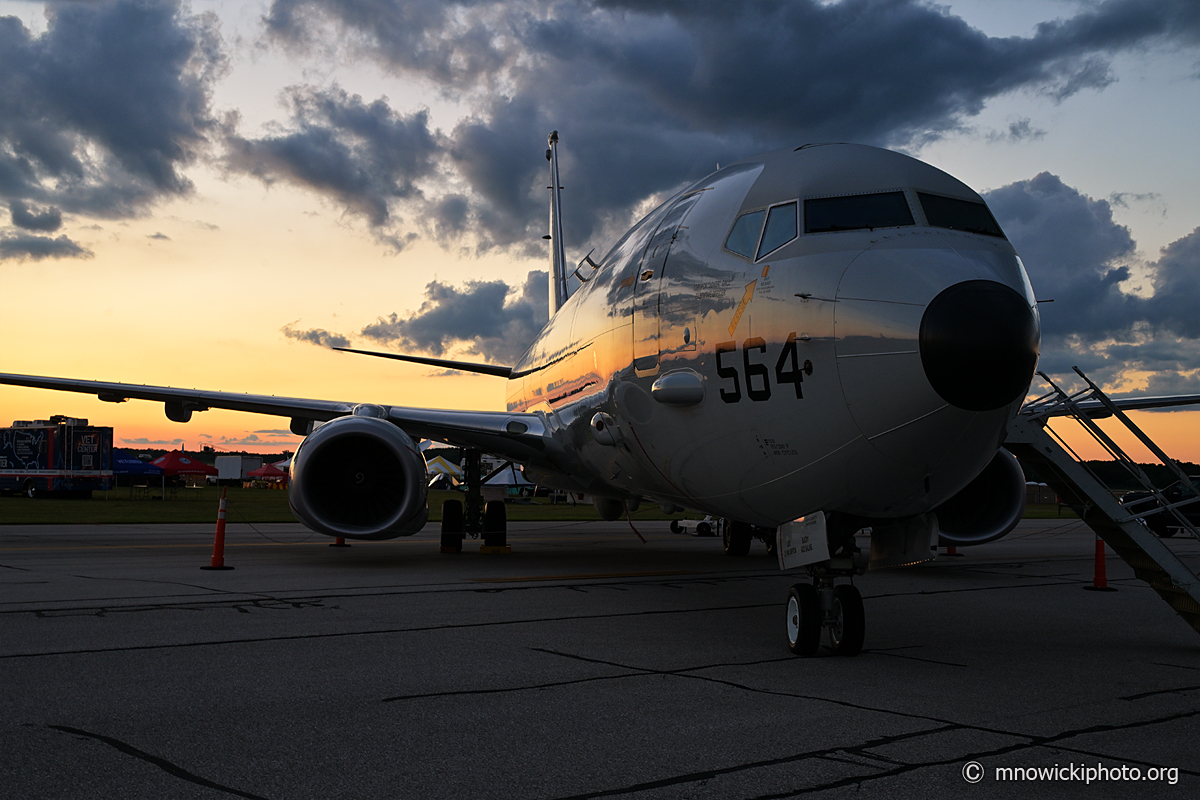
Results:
1095 409
521 436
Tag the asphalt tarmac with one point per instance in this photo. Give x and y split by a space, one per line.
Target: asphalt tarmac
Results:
583 664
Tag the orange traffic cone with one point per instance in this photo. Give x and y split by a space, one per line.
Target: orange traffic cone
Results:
218 556
1100 575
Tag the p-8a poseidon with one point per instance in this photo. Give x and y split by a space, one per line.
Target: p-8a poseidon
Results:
834 332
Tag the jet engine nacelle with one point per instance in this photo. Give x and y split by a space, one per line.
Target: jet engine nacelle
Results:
986 508
359 477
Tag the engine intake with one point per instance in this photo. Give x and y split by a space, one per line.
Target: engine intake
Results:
359 477
987 508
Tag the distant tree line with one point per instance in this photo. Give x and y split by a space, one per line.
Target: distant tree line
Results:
1118 479
207 456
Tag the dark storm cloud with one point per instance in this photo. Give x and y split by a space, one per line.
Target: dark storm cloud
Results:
489 318
99 114
362 155
651 94
22 247
1177 288
1074 252
23 216
1077 255
317 336
441 39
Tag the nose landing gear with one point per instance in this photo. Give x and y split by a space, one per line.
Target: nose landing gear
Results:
837 609
822 605
846 621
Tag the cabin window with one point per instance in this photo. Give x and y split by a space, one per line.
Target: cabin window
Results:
744 235
882 210
959 215
781 228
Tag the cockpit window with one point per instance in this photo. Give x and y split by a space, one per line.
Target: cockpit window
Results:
883 210
744 235
959 215
781 228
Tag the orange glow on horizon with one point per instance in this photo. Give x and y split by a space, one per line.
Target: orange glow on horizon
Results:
1177 433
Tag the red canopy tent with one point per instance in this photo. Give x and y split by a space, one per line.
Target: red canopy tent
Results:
267 472
176 463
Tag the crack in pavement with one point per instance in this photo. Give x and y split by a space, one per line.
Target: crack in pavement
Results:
390 591
161 763
900 769
943 725
381 632
709 774
631 672
443 588
1176 690
241 606
1035 742
917 658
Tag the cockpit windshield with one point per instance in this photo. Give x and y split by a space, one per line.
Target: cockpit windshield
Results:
959 215
781 228
856 212
744 235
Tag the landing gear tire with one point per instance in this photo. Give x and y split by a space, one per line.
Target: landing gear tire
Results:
737 538
452 526
770 541
849 621
803 620
495 524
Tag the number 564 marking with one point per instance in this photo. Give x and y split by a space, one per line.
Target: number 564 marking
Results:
758 377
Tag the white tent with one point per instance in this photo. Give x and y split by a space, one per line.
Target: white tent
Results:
438 465
510 476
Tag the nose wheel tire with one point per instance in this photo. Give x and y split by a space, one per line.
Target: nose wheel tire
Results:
849 621
803 620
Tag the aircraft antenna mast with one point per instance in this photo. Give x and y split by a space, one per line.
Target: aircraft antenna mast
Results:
558 259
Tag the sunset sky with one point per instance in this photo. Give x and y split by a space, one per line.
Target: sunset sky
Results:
208 194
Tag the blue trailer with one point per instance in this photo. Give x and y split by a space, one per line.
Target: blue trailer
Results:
63 456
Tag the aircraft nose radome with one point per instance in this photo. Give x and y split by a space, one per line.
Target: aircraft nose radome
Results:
979 345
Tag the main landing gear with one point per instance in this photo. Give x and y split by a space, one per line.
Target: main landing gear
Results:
738 536
474 518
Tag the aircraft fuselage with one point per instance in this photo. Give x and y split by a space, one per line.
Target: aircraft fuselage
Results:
862 353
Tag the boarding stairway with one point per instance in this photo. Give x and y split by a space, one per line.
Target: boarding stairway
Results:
1035 444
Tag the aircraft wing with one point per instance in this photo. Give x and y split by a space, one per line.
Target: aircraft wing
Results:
520 436
1145 403
1096 409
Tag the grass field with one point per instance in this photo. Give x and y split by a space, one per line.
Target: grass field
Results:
265 505
244 505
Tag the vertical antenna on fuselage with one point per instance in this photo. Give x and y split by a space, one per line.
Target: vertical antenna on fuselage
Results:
558 259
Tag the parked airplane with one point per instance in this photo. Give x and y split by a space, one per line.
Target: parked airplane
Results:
834 331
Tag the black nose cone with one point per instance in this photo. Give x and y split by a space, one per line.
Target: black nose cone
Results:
979 345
